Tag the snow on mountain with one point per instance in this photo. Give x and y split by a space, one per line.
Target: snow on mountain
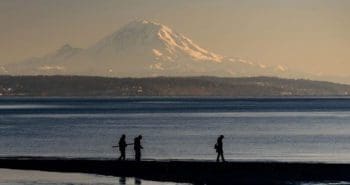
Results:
141 48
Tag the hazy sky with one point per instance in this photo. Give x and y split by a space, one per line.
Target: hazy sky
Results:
312 35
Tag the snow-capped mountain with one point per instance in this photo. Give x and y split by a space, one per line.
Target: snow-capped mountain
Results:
139 49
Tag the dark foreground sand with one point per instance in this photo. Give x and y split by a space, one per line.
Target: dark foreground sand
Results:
196 172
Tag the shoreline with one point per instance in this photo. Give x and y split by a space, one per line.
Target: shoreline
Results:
194 171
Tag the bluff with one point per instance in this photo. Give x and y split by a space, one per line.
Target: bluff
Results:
166 86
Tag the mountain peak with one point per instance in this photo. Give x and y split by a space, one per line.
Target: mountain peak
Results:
143 28
134 34
149 36
144 22
64 48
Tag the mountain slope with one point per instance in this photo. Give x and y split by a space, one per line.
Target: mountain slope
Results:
140 49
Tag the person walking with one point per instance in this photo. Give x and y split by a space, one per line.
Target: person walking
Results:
122 147
138 147
219 149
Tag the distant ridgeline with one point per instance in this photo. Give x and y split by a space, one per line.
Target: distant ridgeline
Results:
165 86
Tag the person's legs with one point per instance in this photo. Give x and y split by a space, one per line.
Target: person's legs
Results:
222 157
123 155
137 155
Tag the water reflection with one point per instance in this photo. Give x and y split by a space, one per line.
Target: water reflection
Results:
122 181
137 181
31 177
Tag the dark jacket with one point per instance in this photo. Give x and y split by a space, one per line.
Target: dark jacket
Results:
137 144
219 145
122 144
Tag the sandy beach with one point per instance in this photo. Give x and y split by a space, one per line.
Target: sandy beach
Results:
195 172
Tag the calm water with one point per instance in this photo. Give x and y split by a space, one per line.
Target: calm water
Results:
178 128
182 128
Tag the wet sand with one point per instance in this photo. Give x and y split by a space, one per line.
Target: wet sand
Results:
196 172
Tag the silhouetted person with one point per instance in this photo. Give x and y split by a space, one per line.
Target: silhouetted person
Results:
122 146
138 147
219 149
